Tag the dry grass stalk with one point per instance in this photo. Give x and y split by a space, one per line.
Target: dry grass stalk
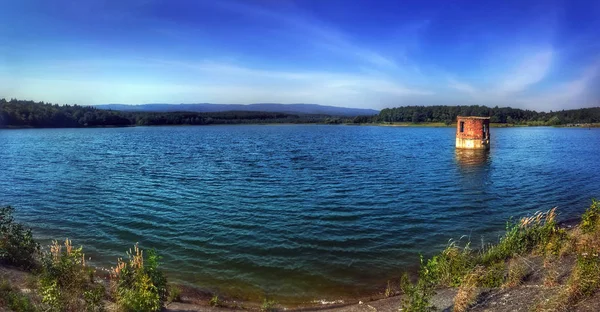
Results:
115 272
517 270
551 272
55 250
136 258
388 290
68 246
538 217
467 292
136 261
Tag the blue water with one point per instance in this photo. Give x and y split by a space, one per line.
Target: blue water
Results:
293 212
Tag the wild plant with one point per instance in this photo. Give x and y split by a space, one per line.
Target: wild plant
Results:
523 236
268 306
388 290
17 246
590 220
467 292
139 286
417 297
67 284
517 271
14 300
215 301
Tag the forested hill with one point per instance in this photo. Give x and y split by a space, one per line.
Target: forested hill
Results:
295 109
18 113
447 114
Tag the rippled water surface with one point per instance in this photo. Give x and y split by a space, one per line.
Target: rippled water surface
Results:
295 212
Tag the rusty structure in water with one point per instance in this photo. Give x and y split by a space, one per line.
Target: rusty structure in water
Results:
473 132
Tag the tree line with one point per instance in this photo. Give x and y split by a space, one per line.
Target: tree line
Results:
448 114
21 113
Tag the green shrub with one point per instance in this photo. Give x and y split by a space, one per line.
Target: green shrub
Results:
67 284
417 297
14 300
139 286
268 306
591 218
141 295
214 301
17 246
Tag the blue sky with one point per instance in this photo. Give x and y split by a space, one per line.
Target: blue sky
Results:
542 55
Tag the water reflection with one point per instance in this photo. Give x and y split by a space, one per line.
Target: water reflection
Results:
472 158
474 166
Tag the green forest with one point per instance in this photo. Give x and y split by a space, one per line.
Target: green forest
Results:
19 114
504 115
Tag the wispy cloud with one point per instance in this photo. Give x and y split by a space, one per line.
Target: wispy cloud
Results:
569 94
532 69
307 79
312 29
509 84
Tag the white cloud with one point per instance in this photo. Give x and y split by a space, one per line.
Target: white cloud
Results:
570 94
506 87
532 69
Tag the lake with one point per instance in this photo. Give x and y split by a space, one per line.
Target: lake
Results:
294 212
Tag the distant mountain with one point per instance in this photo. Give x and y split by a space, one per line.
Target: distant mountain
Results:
261 107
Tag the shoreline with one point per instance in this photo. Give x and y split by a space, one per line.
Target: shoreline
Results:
382 124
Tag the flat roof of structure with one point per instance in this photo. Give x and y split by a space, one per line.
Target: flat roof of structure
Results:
472 117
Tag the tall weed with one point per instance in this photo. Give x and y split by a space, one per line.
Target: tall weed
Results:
138 284
67 284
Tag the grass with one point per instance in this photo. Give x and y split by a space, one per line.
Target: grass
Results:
174 293
584 280
388 290
590 221
493 275
467 292
517 271
523 237
505 264
550 271
13 299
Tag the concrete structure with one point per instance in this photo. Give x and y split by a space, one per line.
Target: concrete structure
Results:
473 132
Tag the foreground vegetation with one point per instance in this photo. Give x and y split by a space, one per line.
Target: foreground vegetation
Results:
19 113
61 279
507 264
64 282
